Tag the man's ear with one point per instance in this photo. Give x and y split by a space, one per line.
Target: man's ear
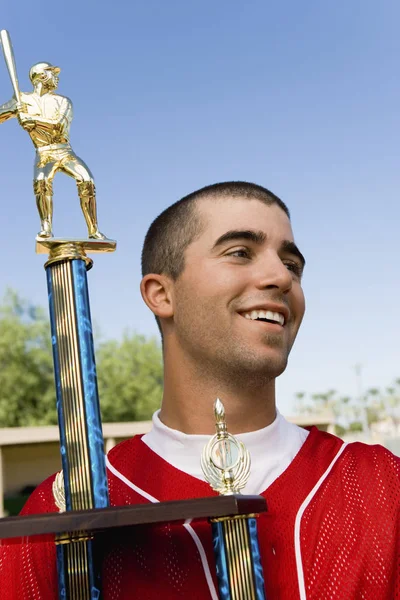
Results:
156 291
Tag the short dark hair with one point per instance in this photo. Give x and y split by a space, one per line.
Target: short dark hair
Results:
181 224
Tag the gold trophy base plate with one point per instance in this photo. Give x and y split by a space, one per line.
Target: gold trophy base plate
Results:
47 245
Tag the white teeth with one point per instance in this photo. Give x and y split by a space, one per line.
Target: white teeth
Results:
265 314
275 316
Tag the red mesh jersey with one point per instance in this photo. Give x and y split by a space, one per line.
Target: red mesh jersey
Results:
331 531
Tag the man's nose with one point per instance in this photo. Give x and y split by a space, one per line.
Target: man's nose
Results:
273 273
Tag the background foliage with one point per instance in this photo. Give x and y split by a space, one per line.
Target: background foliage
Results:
26 365
130 378
360 413
129 371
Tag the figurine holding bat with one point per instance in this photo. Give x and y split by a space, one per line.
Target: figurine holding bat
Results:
47 117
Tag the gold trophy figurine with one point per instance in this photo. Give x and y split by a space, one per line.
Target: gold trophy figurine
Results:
47 117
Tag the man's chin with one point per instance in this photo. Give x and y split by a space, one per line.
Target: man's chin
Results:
264 366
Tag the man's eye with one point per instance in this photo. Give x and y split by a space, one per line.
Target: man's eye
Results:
294 267
240 253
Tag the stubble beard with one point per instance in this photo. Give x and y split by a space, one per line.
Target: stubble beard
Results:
250 369
234 364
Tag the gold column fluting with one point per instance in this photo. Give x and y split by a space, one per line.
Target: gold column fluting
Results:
78 575
72 388
239 561
82 448
65 314
240 571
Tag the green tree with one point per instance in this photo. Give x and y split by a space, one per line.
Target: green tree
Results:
130 371
130 378
375 405
358 413
301 403
27 395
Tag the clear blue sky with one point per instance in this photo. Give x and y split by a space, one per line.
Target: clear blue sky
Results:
301 97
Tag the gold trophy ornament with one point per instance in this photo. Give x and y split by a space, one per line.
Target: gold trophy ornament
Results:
47 117
225 462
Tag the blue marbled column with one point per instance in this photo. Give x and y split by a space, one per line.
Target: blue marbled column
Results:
81 437
89 382
229 537
256 559
59 397
221 564
62 584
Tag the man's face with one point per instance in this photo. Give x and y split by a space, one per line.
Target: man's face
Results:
239 302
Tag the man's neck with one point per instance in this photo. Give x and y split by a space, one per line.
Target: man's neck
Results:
189 395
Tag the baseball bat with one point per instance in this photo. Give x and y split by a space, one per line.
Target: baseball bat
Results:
10 62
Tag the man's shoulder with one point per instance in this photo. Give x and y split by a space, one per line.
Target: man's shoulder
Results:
365 462
374 459
126 452
372 454
358 457
41 500
360 449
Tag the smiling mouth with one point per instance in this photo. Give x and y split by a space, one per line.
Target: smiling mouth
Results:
265 316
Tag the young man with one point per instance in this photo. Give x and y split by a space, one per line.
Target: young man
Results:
222 275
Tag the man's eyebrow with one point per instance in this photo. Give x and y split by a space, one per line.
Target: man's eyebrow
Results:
257 237
291 248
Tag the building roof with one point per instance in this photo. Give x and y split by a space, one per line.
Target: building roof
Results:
11 436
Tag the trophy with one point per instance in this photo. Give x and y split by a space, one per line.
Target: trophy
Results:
226 466
82 484
80 489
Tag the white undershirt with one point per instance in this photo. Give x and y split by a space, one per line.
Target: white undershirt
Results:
272 449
